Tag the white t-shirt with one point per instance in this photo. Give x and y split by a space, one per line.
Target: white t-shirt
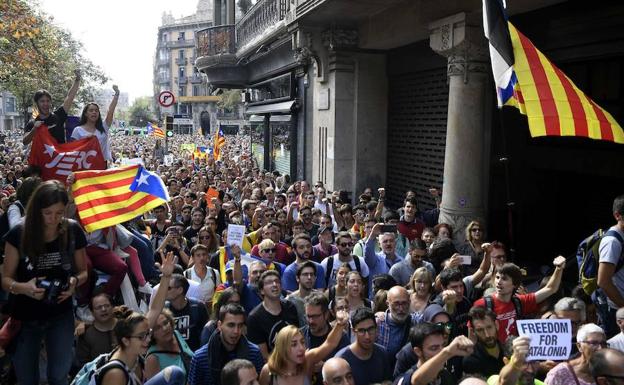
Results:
79 133
207 286
617 342
337 263
610 251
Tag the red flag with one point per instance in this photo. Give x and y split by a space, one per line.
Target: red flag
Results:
57 161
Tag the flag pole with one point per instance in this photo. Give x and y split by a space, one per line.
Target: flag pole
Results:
504 160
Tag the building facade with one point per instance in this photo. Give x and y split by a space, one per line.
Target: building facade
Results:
174 70
10 118
399 94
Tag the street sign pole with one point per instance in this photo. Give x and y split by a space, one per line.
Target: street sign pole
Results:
166 99
166 136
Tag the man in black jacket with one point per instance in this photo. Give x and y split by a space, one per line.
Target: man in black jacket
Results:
487 357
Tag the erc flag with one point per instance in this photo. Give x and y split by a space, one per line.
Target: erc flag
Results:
109 197
219 141
57 161
554 105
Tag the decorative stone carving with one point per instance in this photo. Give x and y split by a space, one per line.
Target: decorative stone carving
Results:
339 38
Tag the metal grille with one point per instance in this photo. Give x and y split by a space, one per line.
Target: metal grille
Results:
418 105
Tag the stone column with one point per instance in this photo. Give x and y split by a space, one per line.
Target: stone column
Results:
461 40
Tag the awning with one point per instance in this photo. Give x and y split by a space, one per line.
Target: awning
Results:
275 108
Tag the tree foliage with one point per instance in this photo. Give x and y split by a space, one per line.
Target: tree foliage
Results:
230 100
35 54
141 112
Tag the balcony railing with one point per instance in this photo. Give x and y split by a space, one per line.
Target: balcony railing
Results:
216 41
263 15
196 79
163 79
182 80
165 61
179 43
181 61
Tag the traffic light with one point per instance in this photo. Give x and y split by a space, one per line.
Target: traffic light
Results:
169 126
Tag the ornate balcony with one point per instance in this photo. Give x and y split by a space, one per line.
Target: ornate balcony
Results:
181 61
216 57
261 19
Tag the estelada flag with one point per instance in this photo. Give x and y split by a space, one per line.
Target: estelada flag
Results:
109 197
57 161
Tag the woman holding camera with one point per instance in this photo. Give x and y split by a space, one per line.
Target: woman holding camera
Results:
42 268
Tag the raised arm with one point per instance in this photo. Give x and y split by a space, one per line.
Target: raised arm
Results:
553 283
111 108
369 247
484 267
319 353
380 203
71 95
158 303
510 373
460 346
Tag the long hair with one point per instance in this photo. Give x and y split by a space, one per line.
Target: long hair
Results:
213 243
169 316
472 224
46 194
83 117
278 359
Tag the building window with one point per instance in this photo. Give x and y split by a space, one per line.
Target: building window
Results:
184 110
165 37
181 72
181 91
181 54
196 91
10 105
181 36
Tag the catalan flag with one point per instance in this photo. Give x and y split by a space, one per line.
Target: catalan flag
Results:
155 130
527 80
109 197
219 141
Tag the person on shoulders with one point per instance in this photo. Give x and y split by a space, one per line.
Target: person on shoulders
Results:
55 121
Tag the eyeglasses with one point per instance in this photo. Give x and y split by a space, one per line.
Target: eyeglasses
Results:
444 325
595 344
370 331
268 250
143 336
346 244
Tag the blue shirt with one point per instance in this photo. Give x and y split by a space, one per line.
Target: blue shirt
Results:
289 279
377 262
375 369
392 335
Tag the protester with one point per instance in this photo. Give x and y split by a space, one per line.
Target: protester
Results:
337 371
42 268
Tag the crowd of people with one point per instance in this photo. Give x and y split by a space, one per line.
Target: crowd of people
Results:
321 289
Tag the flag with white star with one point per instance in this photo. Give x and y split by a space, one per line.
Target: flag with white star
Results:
108 197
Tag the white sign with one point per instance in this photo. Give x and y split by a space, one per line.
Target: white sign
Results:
235 235
168 160
182 121
131 161
551 339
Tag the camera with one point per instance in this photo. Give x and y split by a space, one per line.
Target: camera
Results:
52 288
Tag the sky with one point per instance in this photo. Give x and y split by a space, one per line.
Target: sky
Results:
118 35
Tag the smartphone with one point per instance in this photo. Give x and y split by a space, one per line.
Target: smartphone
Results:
466 259
388 228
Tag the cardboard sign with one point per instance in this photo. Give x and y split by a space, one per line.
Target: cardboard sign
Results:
551 339
235 234
211 193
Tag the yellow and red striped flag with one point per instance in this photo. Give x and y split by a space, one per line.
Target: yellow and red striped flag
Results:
158 132
219 141
554 105
108 197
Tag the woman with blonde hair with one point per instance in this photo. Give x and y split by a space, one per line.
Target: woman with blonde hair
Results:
420 288
290 363
474 239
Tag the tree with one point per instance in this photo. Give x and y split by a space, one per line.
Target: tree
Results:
230 100
36 54
141 112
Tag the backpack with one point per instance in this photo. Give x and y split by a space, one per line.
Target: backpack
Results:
4 222
213 276
588 259
489 304
92 372
330 263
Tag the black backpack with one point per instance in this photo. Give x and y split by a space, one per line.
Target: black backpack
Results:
489 304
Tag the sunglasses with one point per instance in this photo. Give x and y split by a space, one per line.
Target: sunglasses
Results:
346 244
444 325
268 250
